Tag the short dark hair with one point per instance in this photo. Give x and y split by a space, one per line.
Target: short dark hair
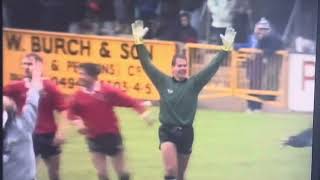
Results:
175 57
184 14
35 56
91 69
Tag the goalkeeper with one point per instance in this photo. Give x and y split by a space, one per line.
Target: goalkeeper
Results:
178 100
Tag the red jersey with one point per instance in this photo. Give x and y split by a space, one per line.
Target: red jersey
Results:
51 99
96 109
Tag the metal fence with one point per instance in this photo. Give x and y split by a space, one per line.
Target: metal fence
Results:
247 73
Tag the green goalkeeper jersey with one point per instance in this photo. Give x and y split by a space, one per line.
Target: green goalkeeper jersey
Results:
178 99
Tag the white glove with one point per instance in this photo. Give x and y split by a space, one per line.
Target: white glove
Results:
138 32
228 39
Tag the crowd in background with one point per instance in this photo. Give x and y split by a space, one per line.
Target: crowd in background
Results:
174 20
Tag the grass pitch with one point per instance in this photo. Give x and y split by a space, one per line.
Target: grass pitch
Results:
227 146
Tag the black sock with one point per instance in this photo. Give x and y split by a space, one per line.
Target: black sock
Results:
124 177
170 178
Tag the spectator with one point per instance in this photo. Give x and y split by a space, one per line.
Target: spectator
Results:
77 12
303 45
194 8
186 33
268 40
221 17
54 16
124 13
169 13
241 23
147 11
103 15
23 14
263 71
5 18
166 30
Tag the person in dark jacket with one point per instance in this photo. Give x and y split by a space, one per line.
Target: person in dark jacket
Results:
260 71
186 33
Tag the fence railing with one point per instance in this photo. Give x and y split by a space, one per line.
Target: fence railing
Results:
247 73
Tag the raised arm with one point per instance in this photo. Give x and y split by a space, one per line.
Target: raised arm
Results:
30 109
153 73
204 76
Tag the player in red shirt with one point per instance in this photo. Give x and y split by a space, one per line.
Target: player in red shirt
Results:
47 136
91 110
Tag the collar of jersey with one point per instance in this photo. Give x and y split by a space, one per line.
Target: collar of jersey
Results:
179 81
96 88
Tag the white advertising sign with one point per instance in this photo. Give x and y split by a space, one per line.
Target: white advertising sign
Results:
301 82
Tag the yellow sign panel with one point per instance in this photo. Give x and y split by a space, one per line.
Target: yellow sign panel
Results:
63 52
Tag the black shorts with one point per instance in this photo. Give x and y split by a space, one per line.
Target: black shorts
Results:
43 145
181 136
109 144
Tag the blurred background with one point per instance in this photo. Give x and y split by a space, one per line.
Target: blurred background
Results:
292 20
